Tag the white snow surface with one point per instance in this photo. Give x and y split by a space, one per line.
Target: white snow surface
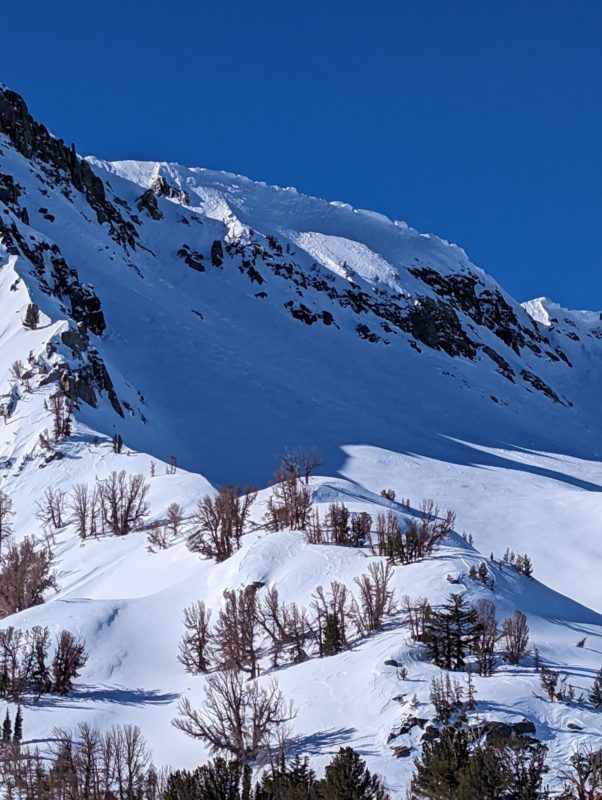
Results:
226 381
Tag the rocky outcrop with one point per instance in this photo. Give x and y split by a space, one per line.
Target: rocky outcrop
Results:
60 164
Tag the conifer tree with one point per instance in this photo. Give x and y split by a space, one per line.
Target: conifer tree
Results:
333 642
347 778
18 730
7 729
595 694
32 316
451 633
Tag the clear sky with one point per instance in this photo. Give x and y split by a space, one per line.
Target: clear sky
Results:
478 120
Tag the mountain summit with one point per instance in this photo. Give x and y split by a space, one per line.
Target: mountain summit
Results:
209 323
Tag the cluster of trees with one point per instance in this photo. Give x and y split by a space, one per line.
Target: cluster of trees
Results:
521 563
420 537
27 667
220 522
346 778
253 623
460 765
84 764
114 505
458 631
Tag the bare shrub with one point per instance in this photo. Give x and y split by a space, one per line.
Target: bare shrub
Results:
60 409
195 653
388 494
51 510
331 616
122 502
415 615
240 719
302 462
84 504
290 503
337 519
6 515
221 522
376 598
175 517
25 574
70 657
236 640
314 532
487 636
516 631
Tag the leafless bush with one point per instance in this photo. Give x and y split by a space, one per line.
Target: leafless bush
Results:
60 409
415 615
195 644
236 635
6 515
221 522
516 631
376 599
290 503
51 510
337 519
158 537
331 617
17 369
84 504
25 574
388 494
421 537
239 719
123 504
302 462
314 532
175 517
70 657
487 636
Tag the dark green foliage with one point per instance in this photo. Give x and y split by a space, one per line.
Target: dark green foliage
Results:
452 767
595 694
18 730
451 633
217 780
7 729
117 443
347 778
295 782
333 640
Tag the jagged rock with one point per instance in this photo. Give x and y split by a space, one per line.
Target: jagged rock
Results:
191 258
148 202
539 384
390 662
162 189
60 163
504 367
9 190
76 341
402 751
217 253
437 325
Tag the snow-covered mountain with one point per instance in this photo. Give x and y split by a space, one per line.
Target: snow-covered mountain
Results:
218 321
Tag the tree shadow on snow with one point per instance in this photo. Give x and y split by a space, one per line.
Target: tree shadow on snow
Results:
108 694
320 742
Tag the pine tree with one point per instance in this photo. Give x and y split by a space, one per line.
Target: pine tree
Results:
7 729
333 641
451 633
347 778
18 730
595 694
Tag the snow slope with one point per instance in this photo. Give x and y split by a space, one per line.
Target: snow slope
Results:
308 323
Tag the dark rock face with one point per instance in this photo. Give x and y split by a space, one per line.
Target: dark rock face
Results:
162 189
436 325
482 305
85 305
191 258
217 253
540 385
148 202
60 164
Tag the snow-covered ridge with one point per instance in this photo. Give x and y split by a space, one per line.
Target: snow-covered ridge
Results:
208 317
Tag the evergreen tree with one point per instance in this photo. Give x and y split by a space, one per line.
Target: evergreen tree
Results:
347 778
595 694
333 641
451 633
18 730
295 782
7 729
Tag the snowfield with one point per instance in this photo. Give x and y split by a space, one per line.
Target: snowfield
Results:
323 326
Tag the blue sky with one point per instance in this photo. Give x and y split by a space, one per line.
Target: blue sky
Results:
477 120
